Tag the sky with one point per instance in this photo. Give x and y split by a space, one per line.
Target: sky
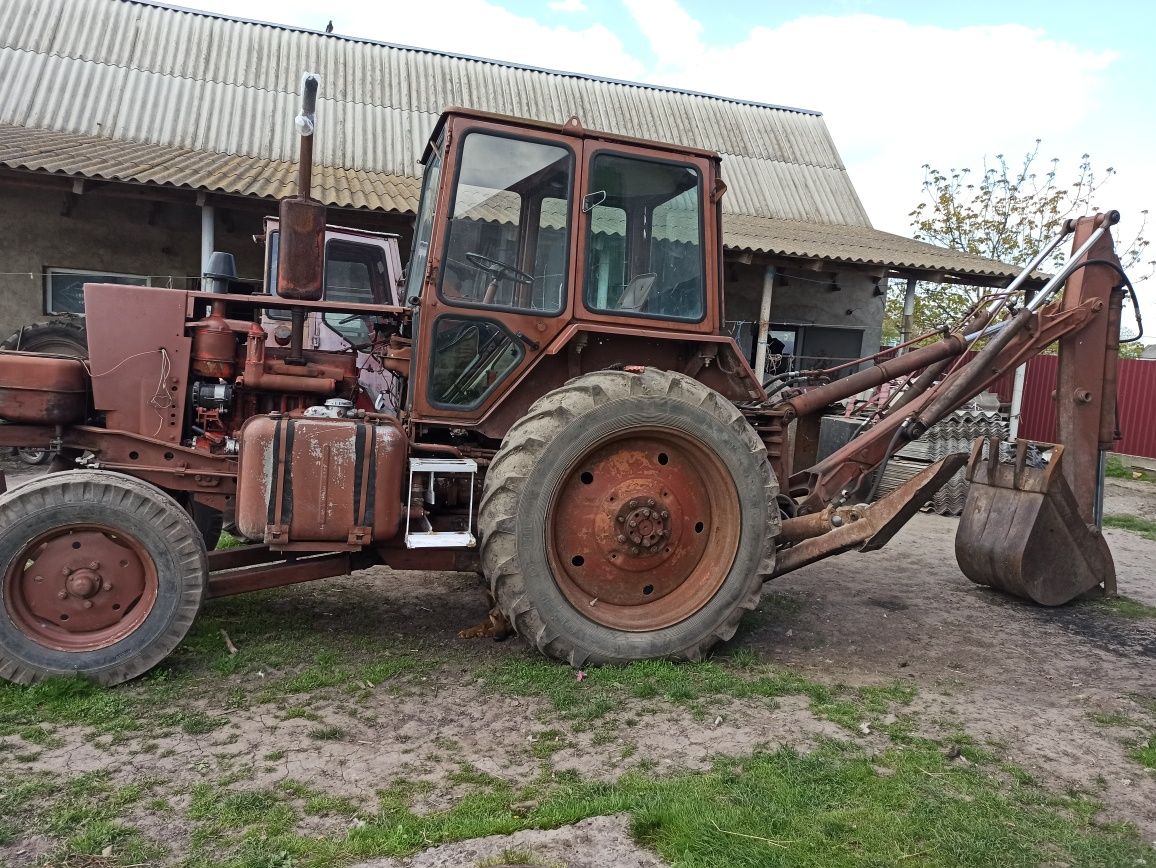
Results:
900 84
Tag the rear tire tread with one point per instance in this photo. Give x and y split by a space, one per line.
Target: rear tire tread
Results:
525 442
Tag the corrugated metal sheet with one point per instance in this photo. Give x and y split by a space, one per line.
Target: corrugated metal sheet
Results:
117 160
1135 397
853 244
144 73
70 154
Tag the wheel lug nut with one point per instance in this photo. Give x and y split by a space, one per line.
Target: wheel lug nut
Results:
634 550
650 502
633 504
633 523
88 604
62 595
646 513
621 538
107 587
66 571
94 565
621 519
665 514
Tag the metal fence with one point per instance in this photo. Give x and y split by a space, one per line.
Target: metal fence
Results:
1136 403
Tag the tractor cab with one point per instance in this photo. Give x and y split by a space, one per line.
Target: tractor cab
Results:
528 233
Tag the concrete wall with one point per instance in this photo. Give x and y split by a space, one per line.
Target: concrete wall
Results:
106 233
805 298
128 235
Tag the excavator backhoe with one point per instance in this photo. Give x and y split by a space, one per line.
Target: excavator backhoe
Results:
574 423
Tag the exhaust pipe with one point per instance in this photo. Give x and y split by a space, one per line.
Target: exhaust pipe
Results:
301 257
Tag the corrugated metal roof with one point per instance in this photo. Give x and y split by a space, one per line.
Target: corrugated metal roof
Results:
88 157
146 73
855 245
111 160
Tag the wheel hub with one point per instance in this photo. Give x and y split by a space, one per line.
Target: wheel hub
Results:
644 523
77 589
643 530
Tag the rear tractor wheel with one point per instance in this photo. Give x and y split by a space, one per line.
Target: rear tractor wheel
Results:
101 577
629 516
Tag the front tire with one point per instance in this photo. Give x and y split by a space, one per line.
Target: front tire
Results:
101 574
628 516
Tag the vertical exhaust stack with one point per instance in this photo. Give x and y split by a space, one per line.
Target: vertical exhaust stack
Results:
301 257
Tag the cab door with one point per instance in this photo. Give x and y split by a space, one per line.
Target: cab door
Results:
497 287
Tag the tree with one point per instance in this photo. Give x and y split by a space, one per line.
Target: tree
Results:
1003 213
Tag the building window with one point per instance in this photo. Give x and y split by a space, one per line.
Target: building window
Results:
64 287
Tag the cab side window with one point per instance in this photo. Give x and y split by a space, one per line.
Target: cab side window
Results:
508 225
644 244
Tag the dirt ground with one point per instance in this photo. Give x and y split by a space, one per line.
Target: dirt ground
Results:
1038 681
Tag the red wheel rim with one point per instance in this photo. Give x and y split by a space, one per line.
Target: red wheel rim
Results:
643 530
80 588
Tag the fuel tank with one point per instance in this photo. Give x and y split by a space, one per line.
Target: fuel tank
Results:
319 484
42 389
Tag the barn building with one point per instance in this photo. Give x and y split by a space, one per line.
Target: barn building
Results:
135 138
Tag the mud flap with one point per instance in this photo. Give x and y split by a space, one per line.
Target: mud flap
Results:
1021 529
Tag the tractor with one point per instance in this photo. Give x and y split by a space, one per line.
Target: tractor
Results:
573 422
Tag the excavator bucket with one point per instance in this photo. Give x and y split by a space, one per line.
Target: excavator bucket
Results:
1021 529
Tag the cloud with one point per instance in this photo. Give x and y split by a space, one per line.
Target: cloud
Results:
567 5
473 27
895 95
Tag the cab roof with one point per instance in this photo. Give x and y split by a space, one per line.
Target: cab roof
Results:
573 128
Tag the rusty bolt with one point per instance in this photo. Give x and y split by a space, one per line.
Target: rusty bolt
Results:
62 595
108 587
633 504
646 513
650 502
634 550
633 523
88 604
1083 396
94 565
621 538
66 571
665 514
621 519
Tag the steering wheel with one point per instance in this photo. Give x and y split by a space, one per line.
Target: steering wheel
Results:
499 269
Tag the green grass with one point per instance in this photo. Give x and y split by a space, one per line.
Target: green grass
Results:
1127 607
1145 752
1115 468
1143 526
82 815
693 686
832 807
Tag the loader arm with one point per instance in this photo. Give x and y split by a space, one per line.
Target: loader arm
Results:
1084 318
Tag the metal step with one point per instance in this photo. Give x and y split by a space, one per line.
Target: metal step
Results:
430 538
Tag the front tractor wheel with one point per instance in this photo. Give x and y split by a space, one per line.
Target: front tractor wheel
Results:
101 577
628 516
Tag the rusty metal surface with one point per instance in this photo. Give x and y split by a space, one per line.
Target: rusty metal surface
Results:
40 388
1083 375
644 530
301 253
140 373
878 522
277 575
81 587
1022 530
214 349
319 481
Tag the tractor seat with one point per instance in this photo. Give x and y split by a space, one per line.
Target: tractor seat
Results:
636 293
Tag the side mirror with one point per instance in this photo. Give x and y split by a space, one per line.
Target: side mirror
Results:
592 199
